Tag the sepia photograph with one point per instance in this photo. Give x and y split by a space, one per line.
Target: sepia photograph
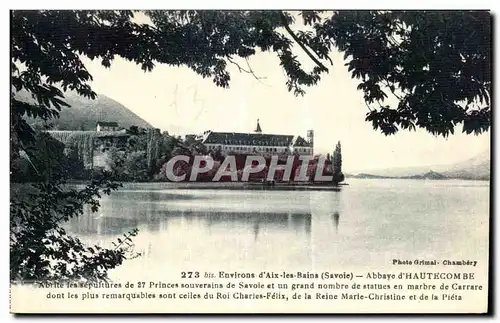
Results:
250 161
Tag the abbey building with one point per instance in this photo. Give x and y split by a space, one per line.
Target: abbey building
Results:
257 142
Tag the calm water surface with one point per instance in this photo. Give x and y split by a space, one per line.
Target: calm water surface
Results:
368 222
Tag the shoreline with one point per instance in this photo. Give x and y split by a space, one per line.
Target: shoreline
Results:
297 186
236 186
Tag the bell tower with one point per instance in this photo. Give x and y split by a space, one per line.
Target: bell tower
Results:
310 139
258 129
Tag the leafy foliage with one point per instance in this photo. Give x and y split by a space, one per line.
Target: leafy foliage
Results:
129 166
41 160
338 176
42 250
74 164
46 48
436 64
143 155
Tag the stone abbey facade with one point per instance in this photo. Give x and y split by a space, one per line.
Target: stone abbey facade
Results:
257 142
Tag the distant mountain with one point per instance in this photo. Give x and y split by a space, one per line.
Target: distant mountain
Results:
85 113
429 175
366 175
475 168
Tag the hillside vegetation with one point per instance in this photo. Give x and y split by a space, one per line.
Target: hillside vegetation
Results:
85 113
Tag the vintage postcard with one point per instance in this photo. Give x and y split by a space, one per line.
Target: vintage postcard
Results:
263 161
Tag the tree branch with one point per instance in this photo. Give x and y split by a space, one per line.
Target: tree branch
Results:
393 41
304 48
249 71
392 89
241 69
329 59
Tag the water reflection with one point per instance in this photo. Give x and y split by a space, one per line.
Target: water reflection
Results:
152 212
335 218
244 227
370 222
109 223
256 228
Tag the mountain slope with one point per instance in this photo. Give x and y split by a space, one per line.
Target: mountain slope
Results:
85 113
477 167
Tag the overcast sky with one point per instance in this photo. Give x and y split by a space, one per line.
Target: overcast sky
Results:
178 100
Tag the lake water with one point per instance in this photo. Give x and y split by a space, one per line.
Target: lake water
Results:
369 222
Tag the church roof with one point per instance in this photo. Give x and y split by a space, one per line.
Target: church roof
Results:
253 139
301 142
